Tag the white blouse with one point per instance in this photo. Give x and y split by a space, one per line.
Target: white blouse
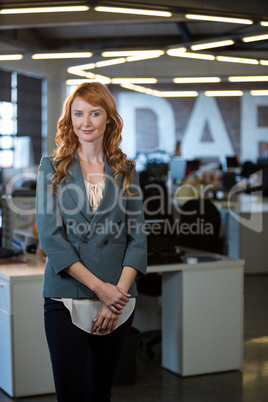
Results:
83 311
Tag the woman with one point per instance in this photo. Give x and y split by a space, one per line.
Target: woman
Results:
91 228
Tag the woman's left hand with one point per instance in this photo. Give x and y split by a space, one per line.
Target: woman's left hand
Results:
105 320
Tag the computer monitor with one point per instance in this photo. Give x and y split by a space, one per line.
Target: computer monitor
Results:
177 167
232 162
193 165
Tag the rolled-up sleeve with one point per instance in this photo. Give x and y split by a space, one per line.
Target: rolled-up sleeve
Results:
136 252
59 251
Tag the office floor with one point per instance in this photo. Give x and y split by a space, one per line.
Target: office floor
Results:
250 384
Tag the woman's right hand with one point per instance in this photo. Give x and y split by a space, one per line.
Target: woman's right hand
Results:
112 296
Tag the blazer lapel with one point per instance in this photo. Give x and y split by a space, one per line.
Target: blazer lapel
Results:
77 190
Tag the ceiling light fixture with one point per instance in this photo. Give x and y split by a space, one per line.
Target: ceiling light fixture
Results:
260 78
210 45
4 57
218 19
264 23
78 81
176 53
125 53
255 38
111 62
223 93
194 80
264 62
80 70
260 92
162 94
120 10
236 60
43 10
152 55
179 94
73 55
134 80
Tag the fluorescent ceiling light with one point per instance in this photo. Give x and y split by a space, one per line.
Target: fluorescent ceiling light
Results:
189 80
218 19
255 38
143 57
78 70
125 53
261 92
73 55
264 62
236 60
210 45
177 51
224 93
174 52
4 57
110 62
43 10
264 23
179 94
157 93
256 78
120 10
138 88
134 80
78 81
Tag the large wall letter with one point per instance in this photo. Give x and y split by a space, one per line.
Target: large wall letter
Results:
206 111
251 134
127 105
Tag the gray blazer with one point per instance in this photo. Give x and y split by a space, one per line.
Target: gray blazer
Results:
69 231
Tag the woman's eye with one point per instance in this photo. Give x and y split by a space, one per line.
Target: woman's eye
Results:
78 114
95 114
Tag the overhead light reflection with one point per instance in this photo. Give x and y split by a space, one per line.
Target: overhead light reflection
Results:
210 45
43 10
121 10
219 19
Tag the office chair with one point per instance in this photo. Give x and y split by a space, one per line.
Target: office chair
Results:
200 223
228 180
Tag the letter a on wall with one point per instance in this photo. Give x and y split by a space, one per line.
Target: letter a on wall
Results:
206 111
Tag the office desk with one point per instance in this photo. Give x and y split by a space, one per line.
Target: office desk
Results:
202 322
202 316
25 367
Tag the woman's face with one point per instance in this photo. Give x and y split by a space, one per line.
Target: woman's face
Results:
89 122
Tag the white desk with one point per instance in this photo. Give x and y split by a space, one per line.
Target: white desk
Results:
25 367
202 316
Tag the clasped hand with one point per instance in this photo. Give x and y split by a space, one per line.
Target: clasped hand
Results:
113 297
114 300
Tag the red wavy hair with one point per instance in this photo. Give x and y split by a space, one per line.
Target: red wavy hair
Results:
67 141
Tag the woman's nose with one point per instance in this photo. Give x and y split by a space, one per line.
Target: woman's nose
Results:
87 121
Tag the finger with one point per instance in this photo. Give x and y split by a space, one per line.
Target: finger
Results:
123 292
115 310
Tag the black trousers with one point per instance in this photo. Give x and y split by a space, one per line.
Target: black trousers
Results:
83 364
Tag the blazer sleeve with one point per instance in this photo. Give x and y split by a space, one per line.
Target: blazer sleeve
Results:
136 252
50 227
